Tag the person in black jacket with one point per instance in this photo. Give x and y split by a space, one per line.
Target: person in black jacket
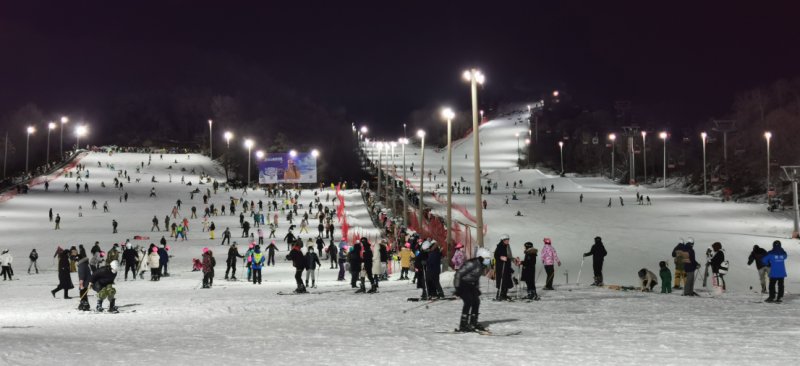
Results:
503 270
271 249
33 257
384 259
233 253
689 266
64 278
354 257
598 253
299 263
102 281
716 266
84 274
420 262
129 259
756 255
528 275
367 263
432 271
466 283
312 262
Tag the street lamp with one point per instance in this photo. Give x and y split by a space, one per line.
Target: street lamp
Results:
259 156
561 148
703 136
315 153
79 132
517 135
249 145
421 135
644 154
30 131
64 121
380 150
403 143
50 126
293 153
663 136
228 136
768 136
475 77
555 93
210 141
448 115
613 138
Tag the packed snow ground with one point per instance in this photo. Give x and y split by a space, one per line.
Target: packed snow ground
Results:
176 323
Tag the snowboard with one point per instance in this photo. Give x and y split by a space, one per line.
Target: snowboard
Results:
415 299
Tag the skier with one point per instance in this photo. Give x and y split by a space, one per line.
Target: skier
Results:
102 282
208 268
332 254
549 258
271 249
312 262
155 224
777 271
129 259
114 226
163 257
756 256
648 280
298 262
718 266
246 229
256 263
211 229
226 236
406 255
233 253
64 278
58 221
289 238
466 283
5 263
528 275
33 257
503 270
598 253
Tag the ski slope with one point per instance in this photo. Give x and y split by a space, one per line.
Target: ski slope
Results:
174 322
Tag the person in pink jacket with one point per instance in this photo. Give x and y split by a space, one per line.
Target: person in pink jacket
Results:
549 258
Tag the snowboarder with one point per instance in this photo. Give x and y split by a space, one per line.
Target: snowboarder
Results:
549 259
598 253
503 270
466 283
777 271
102 281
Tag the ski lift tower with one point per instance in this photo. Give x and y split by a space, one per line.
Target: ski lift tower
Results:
793 174
724 126
631 132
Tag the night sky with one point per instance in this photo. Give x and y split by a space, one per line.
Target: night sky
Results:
380 61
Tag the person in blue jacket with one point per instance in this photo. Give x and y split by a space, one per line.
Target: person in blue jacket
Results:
775 259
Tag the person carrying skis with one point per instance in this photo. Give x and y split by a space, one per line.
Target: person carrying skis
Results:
466 283
256 263
756 256
549 259
312 262
208 268
528 275
233 253
503 270
598 253
775 260
102 282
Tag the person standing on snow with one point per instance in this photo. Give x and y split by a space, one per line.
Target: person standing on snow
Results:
299 264
718 269
208 268
5 262
598 253
354 257
690 265
503 270
84 275
129 259
466 283
154 260
679 253
256 263
64 278
528 275
33 258
312 262
226 236
102 281
775 260
233 253
549 259
756 256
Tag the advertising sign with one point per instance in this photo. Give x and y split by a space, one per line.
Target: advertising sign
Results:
284 168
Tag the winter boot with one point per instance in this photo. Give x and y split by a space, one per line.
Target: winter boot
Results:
473 323
306 283
463 325
111 307
424 295
361 289
233 278
373 289
769 299
66 295
99 307
314 284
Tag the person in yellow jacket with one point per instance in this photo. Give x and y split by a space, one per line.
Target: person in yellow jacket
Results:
406 255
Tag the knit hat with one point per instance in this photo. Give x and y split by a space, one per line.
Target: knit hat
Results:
528 245
547 241
776 244
205 250
408 245
459 245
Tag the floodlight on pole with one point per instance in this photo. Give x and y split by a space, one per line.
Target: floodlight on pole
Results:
248 143
64 121
210 140
663 136
80 131
703 136
644 154
561 149
475 77
260 154
30 131
50 127
293 153
768 137
421 135
228 136
315 153
613 138
448 115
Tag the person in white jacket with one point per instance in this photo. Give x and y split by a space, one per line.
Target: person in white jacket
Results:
153 259
5 262
141 257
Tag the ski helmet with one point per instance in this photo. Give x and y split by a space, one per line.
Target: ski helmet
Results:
504 237
483 253
426 245
114 265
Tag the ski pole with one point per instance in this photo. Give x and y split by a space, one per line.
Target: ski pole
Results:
502 277
578 282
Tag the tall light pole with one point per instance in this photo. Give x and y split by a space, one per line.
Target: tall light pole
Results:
30 131
561 149
703 136
379 146
249 145
421 135
448 115
394 171
50 126
644 154
475 77
210 141
517 135
228 136
663 136
80 131
613 138
64 121
527 148
403 143
768 137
